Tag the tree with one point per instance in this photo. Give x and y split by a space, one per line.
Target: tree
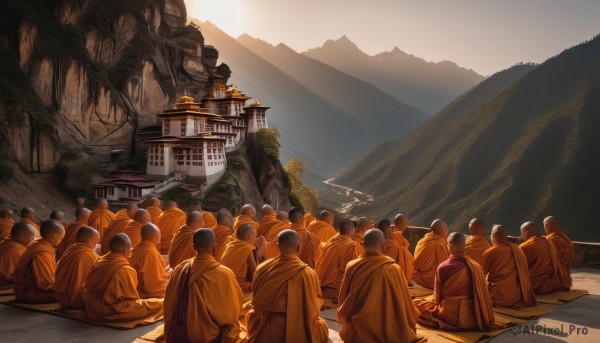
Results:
295 169
268 142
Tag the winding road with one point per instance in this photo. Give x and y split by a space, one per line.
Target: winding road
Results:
347 197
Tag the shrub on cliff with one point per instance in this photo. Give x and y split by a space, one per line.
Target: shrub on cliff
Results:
76 172
267 141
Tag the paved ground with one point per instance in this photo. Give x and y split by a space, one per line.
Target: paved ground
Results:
17 325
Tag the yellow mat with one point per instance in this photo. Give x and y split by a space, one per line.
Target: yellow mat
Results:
530 312
7 291
561 297
420 292
468 336
156 335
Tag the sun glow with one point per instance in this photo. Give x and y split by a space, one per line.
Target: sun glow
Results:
226 14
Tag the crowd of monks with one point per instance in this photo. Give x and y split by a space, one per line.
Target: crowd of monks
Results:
226 279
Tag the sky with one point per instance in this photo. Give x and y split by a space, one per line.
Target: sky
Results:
486 36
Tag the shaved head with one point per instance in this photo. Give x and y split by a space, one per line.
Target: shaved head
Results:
477 227
551 224
400 222
153 201
149 231
362 224
102 203
528 230
499 234
283 216
204 241
248 210
288 241
347 228
267 210
169 205
440 228
456 242
247 232
120 244
88 236
386 227
131 209
23 233
82 214
57 215
52 231
296 216
142 216
225 219
27 212
195 220
373 240
6 214
327 217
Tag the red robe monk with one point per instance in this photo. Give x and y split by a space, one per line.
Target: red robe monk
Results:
171 220
394 248
477 244
545 270
27 215
507 275
309 243
82 216
149 264
110 289
563 245
153 208
282 223
429 253
372 293
74 267
201 290
286 299
461 300
334 257
134 229
309 218
34 274
181 246
11 249
100 216
246 216
243 254
6 223
118 225
323 228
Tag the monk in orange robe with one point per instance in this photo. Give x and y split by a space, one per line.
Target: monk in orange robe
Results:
11 249
267 222
461 301
153 208
362 225
181 246
309 243
271 249
373 291
6 223
563 245
201 290
34 274
27 215
334 257
287 297
309 218
547 275
100 216
400 225
223 232
82 216
151 267
74 267
431 250
243 254
59 217
505 268
171 220
247 214
134 229
323 228
477 244
110 289
395 251
118 225
210 220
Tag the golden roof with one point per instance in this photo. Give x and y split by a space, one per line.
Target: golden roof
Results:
255 103
233 92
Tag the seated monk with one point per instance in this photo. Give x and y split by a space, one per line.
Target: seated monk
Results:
563 245
505 268
6 223
82 216
477 244
118 225
134 229
210 220
362 225
547 275
223 232
287 297
431 250
323 228
153 208
271 249
247 214
201 290
400 225
74 266
332 261
110 289
309 243
34 274
181 246
59 217
27 215
461 301
395 251
151 267
100 216
11 249
243 254
309 218
373 291
171 220
267 222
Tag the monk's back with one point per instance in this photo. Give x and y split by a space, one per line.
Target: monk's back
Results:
331 265
429 253
539 260
181 246
71 271
10 252
34 274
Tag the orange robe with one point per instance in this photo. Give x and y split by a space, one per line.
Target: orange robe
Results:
322 230
401 256
71 272
266 224
271 249
209 219
429 253
69 239
155 212
331 264
10 253
34 224
223 235
309 244
134 231
358 238
34 274
235 257
507 275
5 227
99 220
462 303
547 275
116 225
110 293
203 291
169 222
476 246
181 246
150 267
241 220
286 303
564 249
308 219
374 302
